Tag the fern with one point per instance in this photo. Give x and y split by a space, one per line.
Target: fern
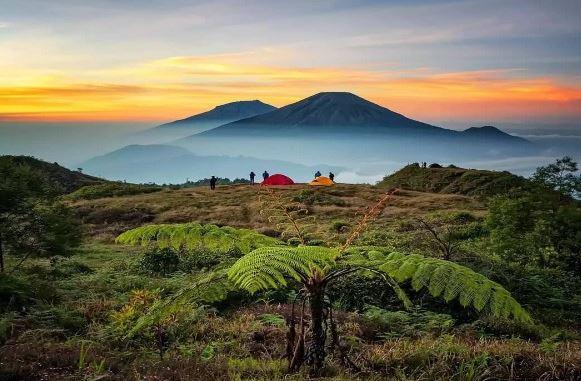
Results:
193 235
269 267
452 281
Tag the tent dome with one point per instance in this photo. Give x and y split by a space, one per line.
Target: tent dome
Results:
322 181
278 179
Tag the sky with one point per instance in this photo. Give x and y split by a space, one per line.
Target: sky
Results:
151 61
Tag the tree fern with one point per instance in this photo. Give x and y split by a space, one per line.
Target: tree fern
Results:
452 281
269 267
193 235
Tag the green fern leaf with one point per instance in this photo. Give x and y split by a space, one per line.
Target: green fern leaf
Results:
452 281
192 235
270 267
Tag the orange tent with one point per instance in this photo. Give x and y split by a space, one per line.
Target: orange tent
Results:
322 181
278 179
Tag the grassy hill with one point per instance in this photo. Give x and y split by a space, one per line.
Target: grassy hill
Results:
469 182
73 318
66 179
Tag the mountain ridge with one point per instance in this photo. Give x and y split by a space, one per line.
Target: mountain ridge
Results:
231 111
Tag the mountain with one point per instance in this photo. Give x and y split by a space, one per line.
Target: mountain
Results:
169 164
491 133
66 179
218 116
222 114
327 112
345 129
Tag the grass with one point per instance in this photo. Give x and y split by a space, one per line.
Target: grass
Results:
238 206
77 310
454 180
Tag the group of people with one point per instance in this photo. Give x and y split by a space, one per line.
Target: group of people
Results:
265 175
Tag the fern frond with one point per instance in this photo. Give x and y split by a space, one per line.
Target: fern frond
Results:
269 267
451 281
193 235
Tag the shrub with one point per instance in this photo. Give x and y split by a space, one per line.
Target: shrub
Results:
415 324
318 197
160 261
339 226
110 189
14 293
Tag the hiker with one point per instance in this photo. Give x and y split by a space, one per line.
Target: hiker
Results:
265 175
318 174
252 175
213 182
331 176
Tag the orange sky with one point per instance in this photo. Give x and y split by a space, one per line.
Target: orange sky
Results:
175 87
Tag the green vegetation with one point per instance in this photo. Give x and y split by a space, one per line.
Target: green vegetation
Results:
32 221
243 284
110 189
470 182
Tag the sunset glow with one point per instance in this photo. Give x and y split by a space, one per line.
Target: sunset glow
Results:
49 73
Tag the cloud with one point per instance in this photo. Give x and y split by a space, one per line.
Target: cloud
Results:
177 86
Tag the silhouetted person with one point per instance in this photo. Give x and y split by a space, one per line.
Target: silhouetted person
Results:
252 175
424 164
318 174
265 175
213 182
331 176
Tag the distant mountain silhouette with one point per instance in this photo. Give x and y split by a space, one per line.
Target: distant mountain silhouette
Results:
222 114
491 133
194 124
343 128
326 112
169 164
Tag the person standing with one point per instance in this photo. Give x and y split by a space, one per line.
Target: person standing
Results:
252 175
265 175
213 182
332 176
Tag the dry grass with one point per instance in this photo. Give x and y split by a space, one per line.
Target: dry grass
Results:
239 206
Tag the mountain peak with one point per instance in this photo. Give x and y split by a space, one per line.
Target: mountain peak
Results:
221 114
332 111
484 129
237 105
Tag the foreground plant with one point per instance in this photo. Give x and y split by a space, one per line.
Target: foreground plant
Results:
312 269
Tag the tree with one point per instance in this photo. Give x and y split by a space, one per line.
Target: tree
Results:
560 176
312 268
32 221
536 228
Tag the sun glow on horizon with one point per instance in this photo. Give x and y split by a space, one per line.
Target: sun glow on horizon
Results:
175 87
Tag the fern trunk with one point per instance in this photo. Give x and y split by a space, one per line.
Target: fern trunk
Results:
316 354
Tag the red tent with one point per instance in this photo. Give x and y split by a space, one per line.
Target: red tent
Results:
278 179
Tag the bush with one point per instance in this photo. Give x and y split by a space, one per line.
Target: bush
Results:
415 324
339 226
434 165
318 197
160 261
205 258
111 189
14 293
